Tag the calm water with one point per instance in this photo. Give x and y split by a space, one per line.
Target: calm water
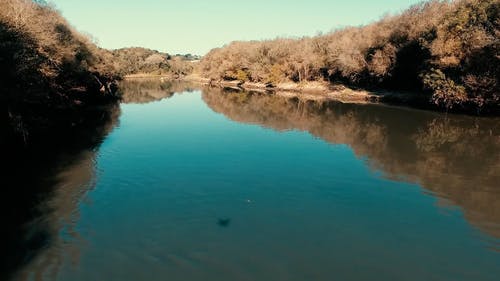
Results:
203 184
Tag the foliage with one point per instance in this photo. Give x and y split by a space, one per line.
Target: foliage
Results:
45 60
446 91
455 42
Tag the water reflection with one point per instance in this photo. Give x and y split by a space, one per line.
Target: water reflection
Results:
43 185
160 194
454 157
144 90
46 182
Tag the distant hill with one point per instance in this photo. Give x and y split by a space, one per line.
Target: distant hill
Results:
138 60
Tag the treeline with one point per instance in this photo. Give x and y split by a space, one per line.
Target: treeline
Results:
138 60
48 70
448 50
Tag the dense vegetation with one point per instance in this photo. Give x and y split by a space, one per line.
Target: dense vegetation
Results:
44 57
49 72
145 61
447 50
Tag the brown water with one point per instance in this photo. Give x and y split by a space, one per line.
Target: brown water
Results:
208 184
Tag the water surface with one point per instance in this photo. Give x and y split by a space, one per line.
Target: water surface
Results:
205 184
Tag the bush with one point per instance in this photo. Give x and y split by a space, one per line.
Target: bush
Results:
445 91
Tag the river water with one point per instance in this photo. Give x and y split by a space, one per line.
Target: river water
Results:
189 183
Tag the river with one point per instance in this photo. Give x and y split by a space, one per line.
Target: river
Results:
182 182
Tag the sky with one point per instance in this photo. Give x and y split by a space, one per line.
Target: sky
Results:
196 26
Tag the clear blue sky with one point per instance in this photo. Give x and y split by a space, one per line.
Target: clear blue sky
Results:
196 26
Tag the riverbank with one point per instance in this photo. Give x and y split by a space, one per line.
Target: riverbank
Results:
314 91
149 76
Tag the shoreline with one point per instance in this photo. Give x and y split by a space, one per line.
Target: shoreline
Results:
311 90
148 76
314 90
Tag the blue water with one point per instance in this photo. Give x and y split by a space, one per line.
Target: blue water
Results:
178 191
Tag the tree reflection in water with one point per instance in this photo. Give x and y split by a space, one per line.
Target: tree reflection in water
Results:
44 183
456 158
145 90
